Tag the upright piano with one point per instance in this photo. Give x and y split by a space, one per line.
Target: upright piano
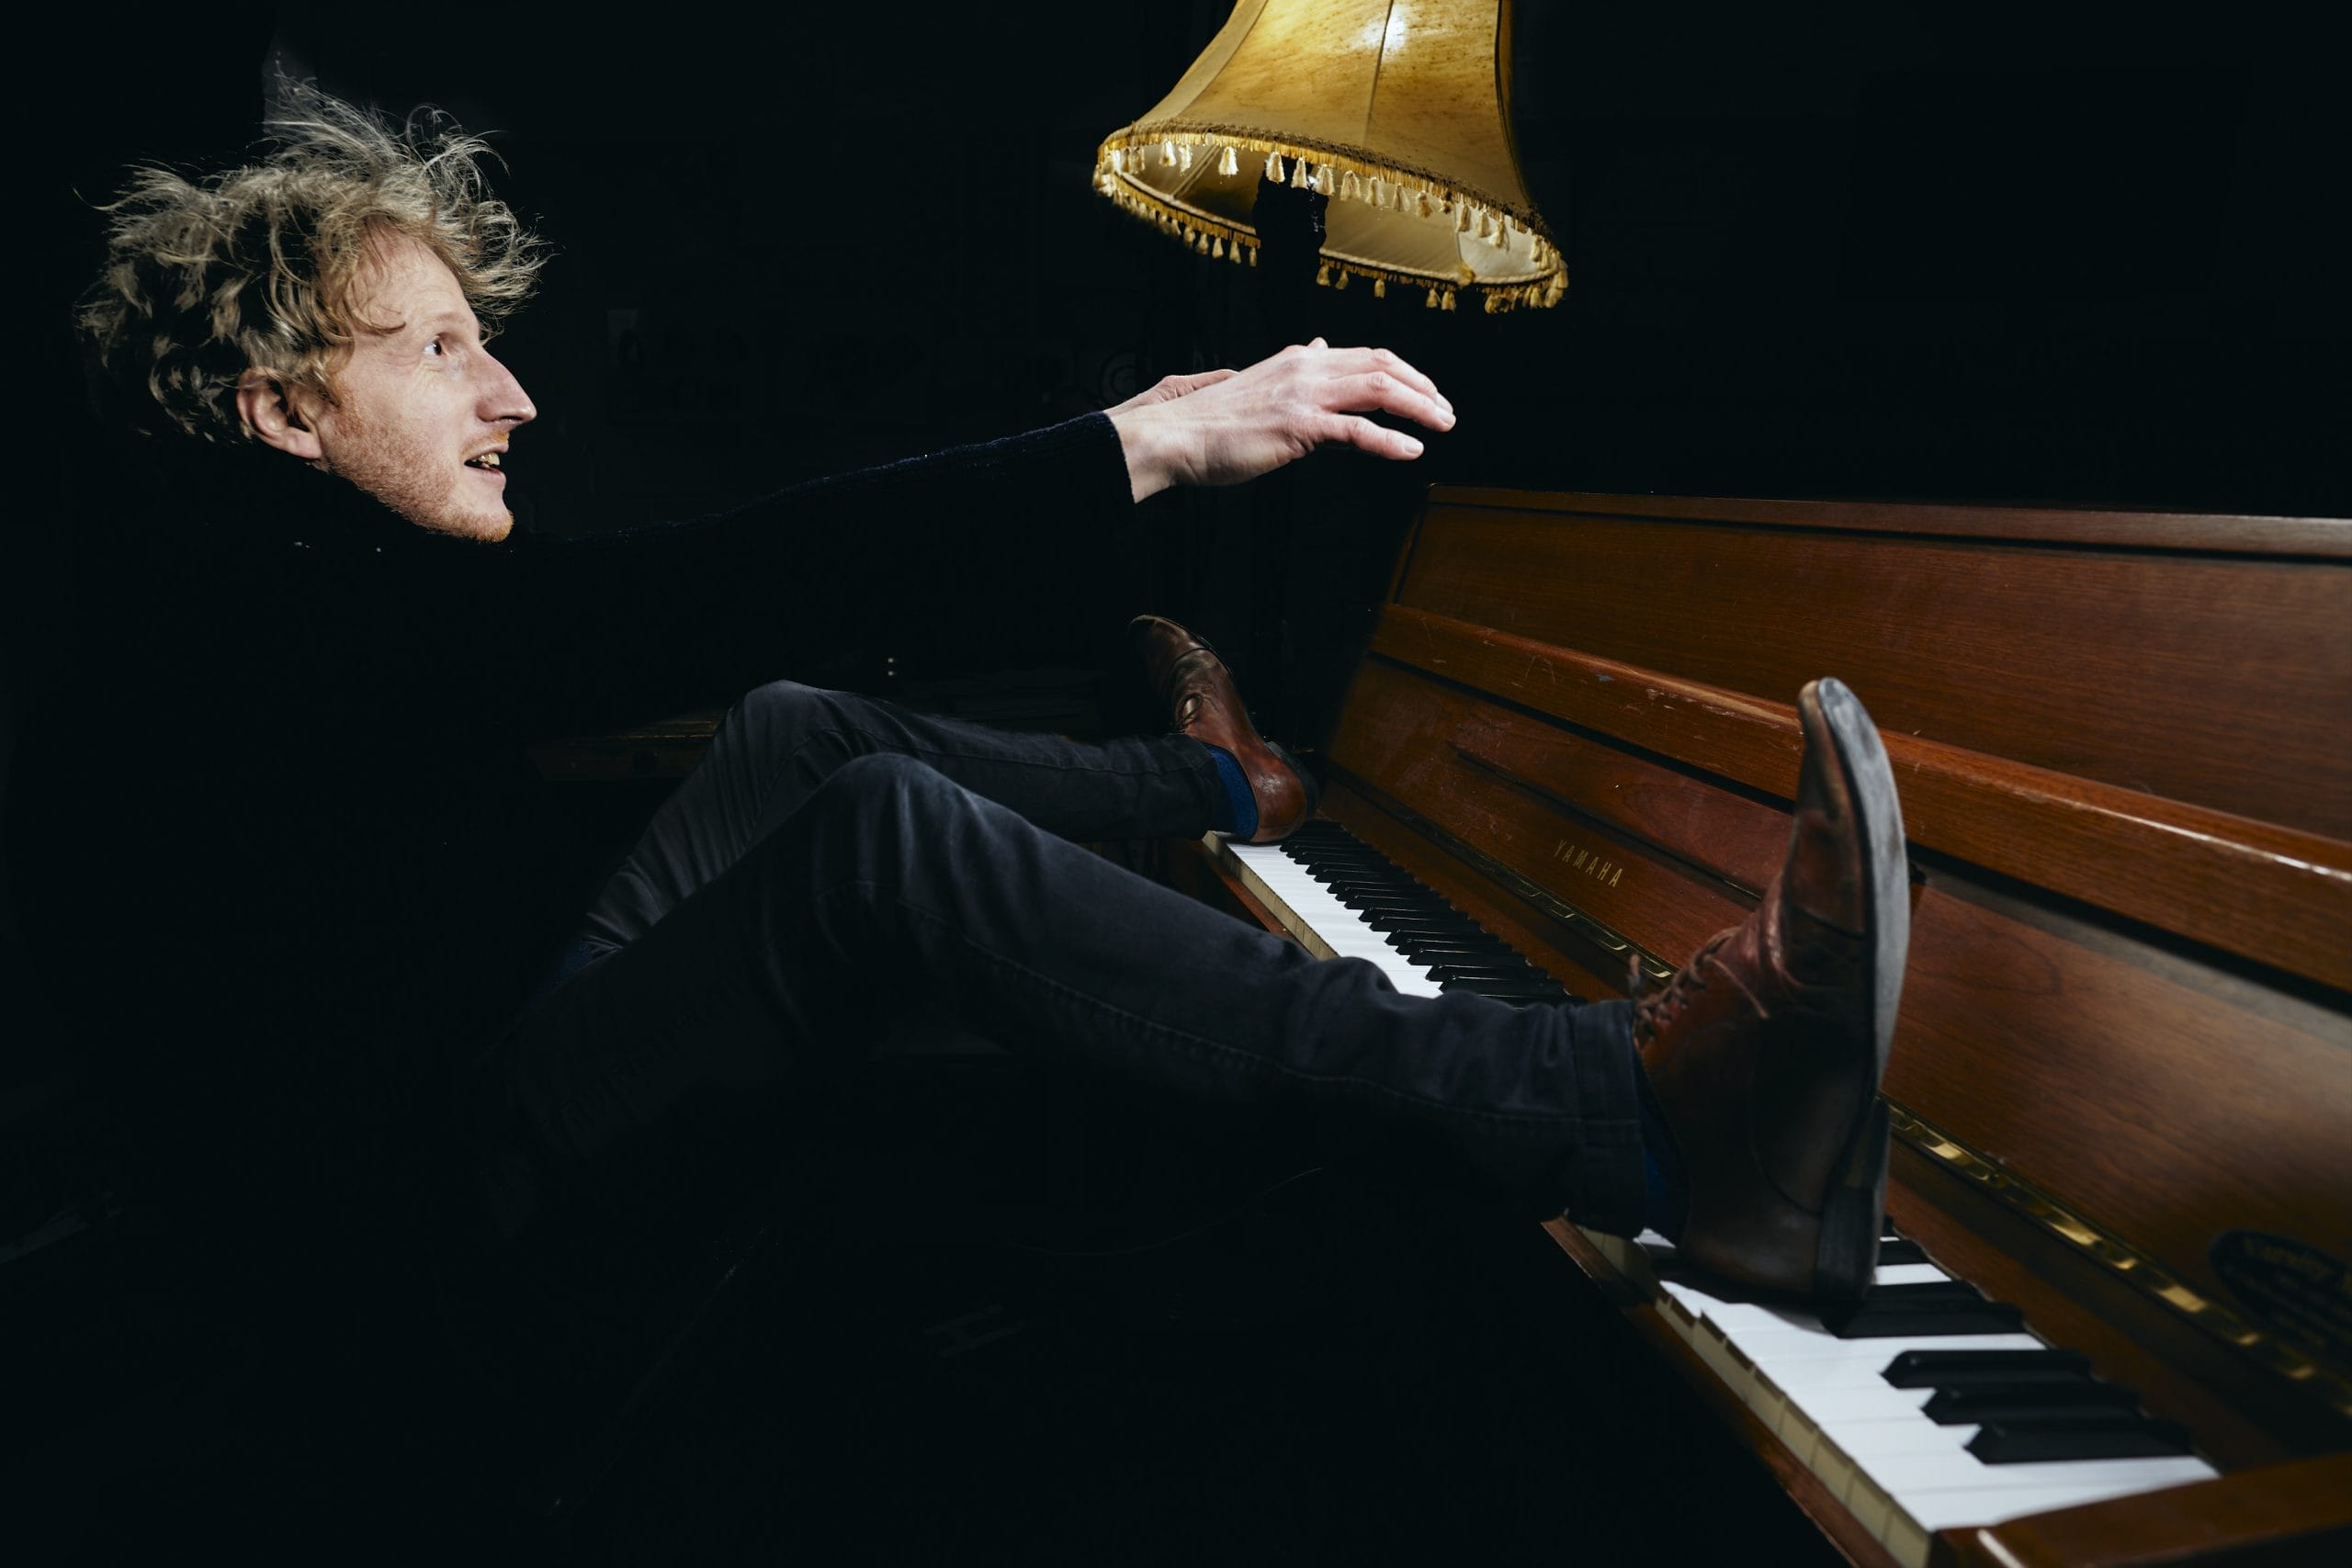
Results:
2116 1321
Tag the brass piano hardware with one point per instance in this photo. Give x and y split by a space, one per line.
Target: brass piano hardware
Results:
2120 1258
1654 968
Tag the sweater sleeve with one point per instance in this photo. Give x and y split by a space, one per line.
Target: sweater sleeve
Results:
667 615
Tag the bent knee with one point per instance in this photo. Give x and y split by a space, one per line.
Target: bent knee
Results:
876 774
784 718
779 701
883 799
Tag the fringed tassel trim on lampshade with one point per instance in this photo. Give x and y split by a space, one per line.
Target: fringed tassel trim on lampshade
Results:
1210 238
1344 174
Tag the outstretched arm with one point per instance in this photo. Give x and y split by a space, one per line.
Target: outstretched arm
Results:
1224 426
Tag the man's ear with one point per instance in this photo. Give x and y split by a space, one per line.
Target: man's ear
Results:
269 411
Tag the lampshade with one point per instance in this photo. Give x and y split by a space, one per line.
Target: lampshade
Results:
1399 110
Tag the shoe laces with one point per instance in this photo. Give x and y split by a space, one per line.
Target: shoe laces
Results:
1652 1013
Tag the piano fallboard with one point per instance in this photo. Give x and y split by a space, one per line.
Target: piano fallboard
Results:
2122 1077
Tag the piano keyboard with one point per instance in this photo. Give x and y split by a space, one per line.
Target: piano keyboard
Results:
1343 900
1922 1408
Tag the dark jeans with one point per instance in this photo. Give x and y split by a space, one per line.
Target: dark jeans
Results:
837 867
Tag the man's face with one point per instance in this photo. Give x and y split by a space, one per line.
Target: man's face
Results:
424 411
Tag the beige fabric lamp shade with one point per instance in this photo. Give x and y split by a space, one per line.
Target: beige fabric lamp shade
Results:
1399 110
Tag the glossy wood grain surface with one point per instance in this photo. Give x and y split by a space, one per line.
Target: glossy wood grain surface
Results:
2279 895
2204 533
2217 679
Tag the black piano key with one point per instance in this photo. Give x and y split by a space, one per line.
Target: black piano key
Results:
1376 892
1450 971
1925 1322
1389 906
1356 894
2043 1442
1536 985
1963 1369
2088 1401
1442 949
1430 925
1364 900
1424 926
1926 1291
1945 1306
1895 1250
1510 990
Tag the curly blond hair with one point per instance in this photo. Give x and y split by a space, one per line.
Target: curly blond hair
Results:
256 265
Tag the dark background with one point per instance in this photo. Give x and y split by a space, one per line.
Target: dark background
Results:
1899 252
1905 253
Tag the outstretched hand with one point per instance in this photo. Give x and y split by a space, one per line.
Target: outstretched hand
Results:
1222 428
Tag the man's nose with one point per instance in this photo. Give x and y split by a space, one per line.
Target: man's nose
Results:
503 401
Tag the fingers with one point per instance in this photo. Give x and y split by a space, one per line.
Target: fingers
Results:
1355 365
1354 430
1390 392
1180 385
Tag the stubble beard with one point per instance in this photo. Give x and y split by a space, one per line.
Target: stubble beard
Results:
397 468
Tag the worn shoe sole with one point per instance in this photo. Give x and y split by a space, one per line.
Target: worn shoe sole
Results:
1854 1214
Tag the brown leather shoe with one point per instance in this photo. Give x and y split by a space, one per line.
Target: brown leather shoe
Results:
1202 704
1765 1052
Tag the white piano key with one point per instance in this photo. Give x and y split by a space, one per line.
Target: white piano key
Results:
1990 1505
1771 1350
1861 1401
1905 1518
1809 1372
1912 1434
1738 1320
1690 1295
1913 1520
1905 1476
1910 1274
1678 1313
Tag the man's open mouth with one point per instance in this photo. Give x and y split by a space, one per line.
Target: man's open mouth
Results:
487 461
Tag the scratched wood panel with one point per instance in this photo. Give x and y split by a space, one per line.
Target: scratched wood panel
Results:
2219 678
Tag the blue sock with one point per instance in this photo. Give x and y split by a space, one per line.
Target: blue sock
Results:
1237 812
1667 1196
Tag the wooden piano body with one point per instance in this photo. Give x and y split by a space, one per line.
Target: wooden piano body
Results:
2123 1080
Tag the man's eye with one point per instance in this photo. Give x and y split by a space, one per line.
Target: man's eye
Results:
436 347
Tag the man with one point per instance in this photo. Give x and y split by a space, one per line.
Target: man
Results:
323 625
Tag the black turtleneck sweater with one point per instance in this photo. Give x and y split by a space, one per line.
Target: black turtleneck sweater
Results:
274 840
